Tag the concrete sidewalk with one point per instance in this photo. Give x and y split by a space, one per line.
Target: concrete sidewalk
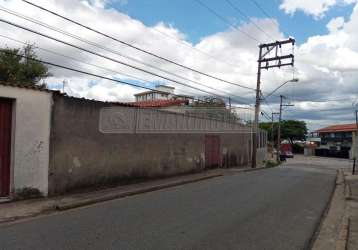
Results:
13 211
352 208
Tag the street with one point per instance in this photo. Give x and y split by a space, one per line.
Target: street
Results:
276 208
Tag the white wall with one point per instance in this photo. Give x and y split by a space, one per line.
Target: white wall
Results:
261 156
163 88
31 137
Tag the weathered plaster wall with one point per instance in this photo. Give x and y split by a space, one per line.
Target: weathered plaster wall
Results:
82 156
261 156
30 140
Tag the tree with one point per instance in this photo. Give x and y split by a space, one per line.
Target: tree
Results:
16 66
293 130
290 130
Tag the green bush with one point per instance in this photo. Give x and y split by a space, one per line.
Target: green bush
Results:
297 149
271 164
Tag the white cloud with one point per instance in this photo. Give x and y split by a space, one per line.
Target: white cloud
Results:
222 45
103 3
315 8
327 65
335 24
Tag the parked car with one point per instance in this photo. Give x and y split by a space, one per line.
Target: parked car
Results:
287 154
285 151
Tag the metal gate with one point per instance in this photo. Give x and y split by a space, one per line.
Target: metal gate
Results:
5 145
212 151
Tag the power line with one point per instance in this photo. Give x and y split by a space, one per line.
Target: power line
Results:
298 99
107 49
77 60
246 16
186 44
135 47
268 105
223 19
109 58
78 71
326 100
91 74
326 110
261 9
103 68
266 115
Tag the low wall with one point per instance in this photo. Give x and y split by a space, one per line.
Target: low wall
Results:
82 156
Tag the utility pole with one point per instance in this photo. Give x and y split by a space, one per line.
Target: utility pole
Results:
279 126
266 62
355 145
272 120
272 136
64 83
230 103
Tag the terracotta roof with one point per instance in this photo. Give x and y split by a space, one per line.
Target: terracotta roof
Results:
338 128
159 103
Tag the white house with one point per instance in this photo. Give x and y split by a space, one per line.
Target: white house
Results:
25 118
161 92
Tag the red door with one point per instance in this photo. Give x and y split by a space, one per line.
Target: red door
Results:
212 151
5 145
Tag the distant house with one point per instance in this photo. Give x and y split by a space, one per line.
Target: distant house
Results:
337 141
164 98
161 92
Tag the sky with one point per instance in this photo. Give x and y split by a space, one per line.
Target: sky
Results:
219 38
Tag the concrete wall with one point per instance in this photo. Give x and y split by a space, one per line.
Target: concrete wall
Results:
261 156
30 140
82 156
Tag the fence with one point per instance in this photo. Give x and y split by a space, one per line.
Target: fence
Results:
137 120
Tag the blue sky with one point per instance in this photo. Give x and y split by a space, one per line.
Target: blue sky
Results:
196 22
320 61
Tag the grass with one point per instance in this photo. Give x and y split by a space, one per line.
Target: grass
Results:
271 164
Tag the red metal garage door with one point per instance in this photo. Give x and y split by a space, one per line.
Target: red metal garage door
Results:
212 151
5 145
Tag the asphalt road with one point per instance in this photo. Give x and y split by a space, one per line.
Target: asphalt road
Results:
277 208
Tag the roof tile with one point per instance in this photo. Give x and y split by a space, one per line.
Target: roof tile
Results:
338 128
159 103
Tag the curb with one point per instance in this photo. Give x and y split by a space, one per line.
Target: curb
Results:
348 192
254 169
311 244
90 201
343 236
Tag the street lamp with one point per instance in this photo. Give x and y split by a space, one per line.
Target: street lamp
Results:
292 80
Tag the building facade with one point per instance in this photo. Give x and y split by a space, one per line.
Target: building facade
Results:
337 141
24 138
161 92
52 143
